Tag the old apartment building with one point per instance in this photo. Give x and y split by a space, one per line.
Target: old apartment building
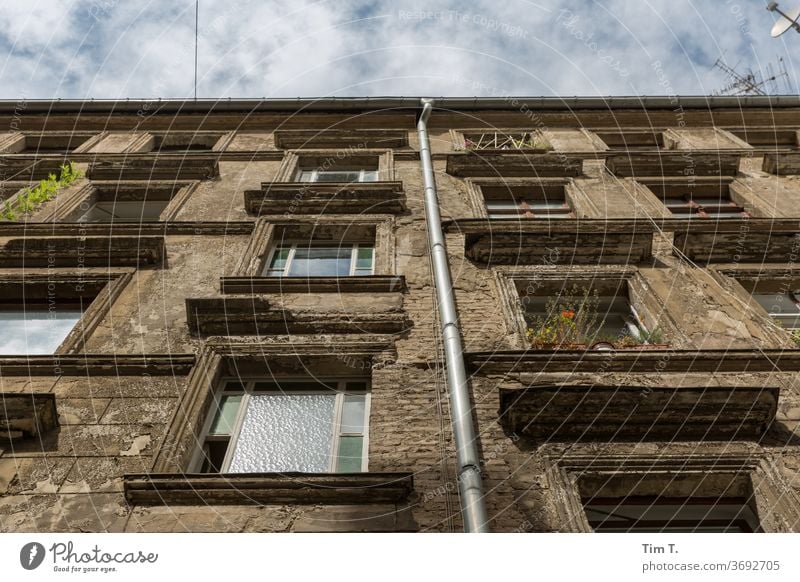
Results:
222 316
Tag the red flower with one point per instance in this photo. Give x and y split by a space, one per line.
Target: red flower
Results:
568 314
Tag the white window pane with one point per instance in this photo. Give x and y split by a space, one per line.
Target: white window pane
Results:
225 418
353 413
370 176
285 432
321 262
35 331
306 176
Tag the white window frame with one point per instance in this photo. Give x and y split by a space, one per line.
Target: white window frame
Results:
292 245
315 174
341 391
524 210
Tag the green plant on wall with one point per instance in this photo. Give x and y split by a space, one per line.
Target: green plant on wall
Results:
796 337
32 198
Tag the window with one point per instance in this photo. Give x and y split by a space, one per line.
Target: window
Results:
295 425
782 306
772 137
699 200
128 211
321 260
596 316
501 140
632 140
185 142
337 175
125 202
53 143
33 329
534 201
671 515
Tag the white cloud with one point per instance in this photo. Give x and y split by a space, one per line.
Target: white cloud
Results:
251 48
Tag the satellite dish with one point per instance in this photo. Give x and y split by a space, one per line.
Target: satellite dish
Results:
788 19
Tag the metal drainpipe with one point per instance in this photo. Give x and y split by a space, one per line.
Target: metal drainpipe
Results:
473 507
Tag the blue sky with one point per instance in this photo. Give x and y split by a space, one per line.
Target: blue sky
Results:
291 48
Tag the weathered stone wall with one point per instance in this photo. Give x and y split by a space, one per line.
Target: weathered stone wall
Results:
72 480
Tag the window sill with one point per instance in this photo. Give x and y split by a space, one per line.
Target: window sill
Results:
357 284
255 315
267 488
87 251
513 163
27 415
673 163
638 413
380 197
782 163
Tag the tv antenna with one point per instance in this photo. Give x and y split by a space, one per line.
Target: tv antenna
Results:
753 83
788 19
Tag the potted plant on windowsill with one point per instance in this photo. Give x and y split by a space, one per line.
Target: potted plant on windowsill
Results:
573 322
567 324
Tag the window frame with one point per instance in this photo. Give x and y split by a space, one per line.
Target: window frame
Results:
293 245
794 297
35 288
567 473
646 504
680 197
362 172
341 390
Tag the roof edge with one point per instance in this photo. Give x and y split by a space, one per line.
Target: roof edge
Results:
147 107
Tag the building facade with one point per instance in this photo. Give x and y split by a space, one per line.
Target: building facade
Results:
220 316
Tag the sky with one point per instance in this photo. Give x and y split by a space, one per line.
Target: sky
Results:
116 49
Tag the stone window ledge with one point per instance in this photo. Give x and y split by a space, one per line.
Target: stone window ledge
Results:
255 315
638 413
513 164
94 251
27 415
327 197
267 488
365 284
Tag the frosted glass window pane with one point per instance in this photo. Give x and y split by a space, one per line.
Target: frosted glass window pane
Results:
350 448
321 262
285 432
35 331
226 414
370 176
353 413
